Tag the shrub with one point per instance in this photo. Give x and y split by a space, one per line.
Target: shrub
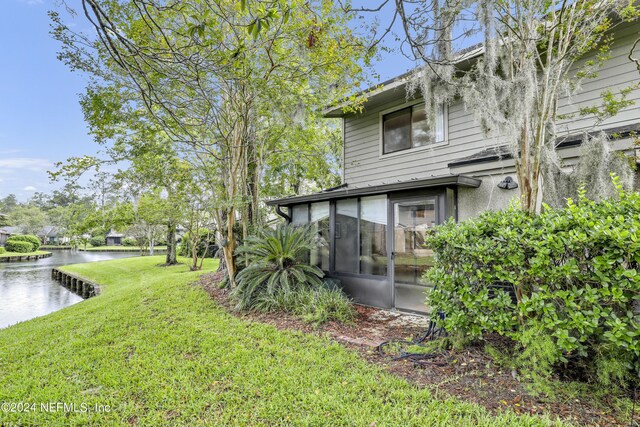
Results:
206 241
314 305
2 250
129 241
569 274
19 246
34 240
97 241
277 264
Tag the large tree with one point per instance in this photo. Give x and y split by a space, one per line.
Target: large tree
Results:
219 79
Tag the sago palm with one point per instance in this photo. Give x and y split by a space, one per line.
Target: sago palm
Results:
277 264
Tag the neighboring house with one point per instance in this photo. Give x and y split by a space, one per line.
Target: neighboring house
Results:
49 235
114 238
402 178
4 235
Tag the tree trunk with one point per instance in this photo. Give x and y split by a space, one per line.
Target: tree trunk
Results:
172 258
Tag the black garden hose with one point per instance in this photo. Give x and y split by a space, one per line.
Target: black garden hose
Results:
433 332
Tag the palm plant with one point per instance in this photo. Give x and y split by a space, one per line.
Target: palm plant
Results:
277 266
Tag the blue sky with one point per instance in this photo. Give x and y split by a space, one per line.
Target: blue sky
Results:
40 119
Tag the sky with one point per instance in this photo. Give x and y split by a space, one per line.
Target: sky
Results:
41 121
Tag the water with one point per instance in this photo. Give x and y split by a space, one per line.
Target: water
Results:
27 290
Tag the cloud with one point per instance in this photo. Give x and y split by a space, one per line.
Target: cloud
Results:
32 2
11 164
29 188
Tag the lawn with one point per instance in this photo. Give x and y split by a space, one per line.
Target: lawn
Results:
119 248
9 254
160 352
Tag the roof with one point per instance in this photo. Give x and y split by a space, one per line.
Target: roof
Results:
503 152
382 93
343 191
114 234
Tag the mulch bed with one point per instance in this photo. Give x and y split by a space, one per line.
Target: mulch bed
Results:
470 375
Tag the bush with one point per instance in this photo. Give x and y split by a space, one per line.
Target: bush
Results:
314 305
34 240
206 241
19 246
129 241
569 274
97 241
2 250
279 277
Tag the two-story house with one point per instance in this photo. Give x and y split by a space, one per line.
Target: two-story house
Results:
403 175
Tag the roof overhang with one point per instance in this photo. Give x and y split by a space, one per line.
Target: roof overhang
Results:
342 193
395 88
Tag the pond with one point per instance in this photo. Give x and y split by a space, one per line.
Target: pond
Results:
27 290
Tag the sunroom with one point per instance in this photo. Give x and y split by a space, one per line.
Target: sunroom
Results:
372 238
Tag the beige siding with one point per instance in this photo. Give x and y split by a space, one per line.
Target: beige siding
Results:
364 165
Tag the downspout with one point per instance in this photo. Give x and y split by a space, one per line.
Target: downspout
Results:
282 214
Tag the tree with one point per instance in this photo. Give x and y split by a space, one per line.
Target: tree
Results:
30 219
213 77
530 59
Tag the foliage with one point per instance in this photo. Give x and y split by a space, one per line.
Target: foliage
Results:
243 69
571 274
97 241
34 240
129 241
205 242
156 330
19 246
2 250
277 264
315 305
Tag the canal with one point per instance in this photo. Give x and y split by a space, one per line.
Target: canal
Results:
27 290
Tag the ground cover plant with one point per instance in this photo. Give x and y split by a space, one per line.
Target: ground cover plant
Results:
160 352
563 285
278 277
6 254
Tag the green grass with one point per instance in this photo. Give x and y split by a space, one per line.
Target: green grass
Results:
119 248
9 254
160 352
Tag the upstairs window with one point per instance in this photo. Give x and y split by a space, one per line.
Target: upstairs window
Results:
411 128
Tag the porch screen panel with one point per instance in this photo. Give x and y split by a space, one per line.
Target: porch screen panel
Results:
346 236
320 224
373 235
300 214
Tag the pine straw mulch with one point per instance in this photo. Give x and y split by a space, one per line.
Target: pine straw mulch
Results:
470 375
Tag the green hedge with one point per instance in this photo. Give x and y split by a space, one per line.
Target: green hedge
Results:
2 250
129 241
97 241
570 275
19 246
34 240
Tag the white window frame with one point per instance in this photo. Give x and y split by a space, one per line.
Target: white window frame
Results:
444 142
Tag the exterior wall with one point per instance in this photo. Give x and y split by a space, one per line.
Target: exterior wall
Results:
365 166
473 201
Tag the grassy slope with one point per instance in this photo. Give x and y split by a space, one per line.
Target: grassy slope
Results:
160 352
8 254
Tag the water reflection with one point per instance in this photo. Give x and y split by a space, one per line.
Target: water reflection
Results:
27 291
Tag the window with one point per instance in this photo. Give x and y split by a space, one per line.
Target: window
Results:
320 224
373 235
300 215
412 127
346 247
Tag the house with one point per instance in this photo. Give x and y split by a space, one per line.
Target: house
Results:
403 176
4 235
114 238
